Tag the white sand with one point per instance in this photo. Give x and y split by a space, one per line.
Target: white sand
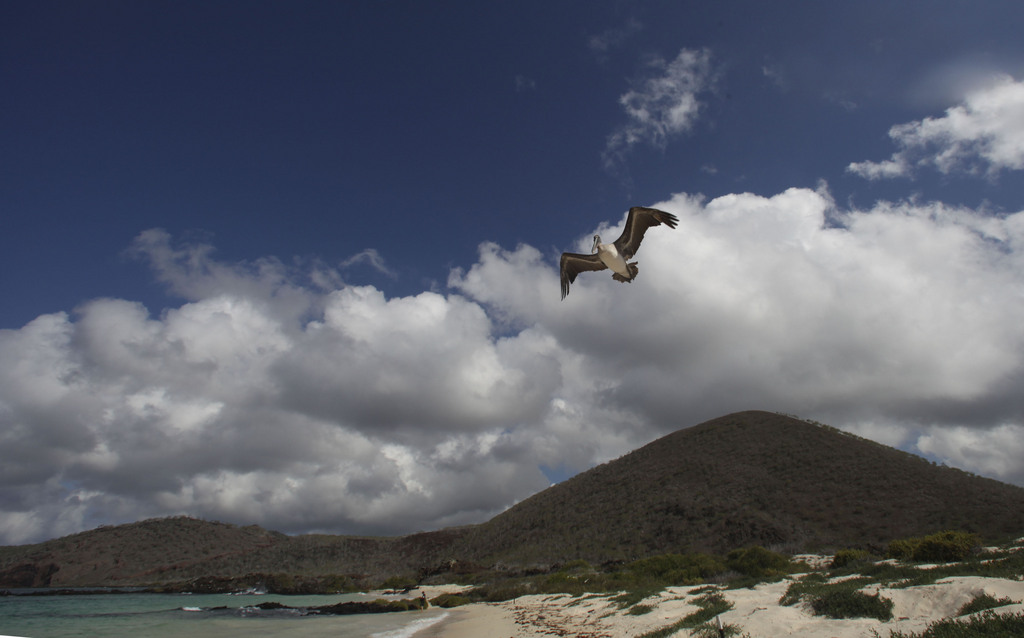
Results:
755 611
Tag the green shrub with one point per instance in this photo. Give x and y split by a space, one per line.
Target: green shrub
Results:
577 565
640 610
758 562
838 600
806 587
986 624
450 600
632 598
943 547
981 602
675 569
564 583
846 557
501 591
710 606
946 547
664 632
846 603
706 630
902 549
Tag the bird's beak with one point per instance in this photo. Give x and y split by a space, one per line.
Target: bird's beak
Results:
597 239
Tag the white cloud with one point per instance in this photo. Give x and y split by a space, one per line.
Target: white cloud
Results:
887 315
984 135
362 413
373 258
950 81
663 105
886 169
409 363
996 451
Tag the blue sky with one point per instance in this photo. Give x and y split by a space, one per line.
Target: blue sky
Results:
258 254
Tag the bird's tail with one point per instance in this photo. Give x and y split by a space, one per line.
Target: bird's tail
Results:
633 270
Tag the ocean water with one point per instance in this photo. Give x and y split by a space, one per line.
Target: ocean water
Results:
197 616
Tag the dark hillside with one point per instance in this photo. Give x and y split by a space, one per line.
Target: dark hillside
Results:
121 554
356 560
747 478
185 550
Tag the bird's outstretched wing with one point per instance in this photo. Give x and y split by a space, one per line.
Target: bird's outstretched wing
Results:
637 223
575 263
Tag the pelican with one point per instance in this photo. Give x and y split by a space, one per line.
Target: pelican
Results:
616 255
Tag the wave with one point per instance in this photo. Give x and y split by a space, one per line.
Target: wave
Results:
409 630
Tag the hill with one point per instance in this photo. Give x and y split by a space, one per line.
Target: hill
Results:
198 555
743 479
124 553
751 478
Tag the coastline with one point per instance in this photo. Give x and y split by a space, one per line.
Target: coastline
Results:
755 612
473 621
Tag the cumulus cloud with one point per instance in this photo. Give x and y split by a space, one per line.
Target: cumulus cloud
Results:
995 451
662 105
190 270
984 135
270 397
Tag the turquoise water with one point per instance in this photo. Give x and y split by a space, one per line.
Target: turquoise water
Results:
196 616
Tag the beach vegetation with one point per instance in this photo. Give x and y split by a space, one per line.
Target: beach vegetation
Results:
709 605
846 557
663 632
982 625
993 564
448 601
640 609
633 597
566 583
637 580
845 603
577 565
675 569
806 586
706 630
711 630
502 590
759 563
640 579
842 599
942 547
982 602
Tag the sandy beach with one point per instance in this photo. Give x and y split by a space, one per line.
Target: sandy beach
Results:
755 612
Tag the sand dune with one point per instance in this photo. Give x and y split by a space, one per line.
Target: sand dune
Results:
755 612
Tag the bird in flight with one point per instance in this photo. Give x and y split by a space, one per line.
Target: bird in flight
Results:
617 254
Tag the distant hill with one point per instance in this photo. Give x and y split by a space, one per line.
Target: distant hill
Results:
124 553
747 478
751 478
203 555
